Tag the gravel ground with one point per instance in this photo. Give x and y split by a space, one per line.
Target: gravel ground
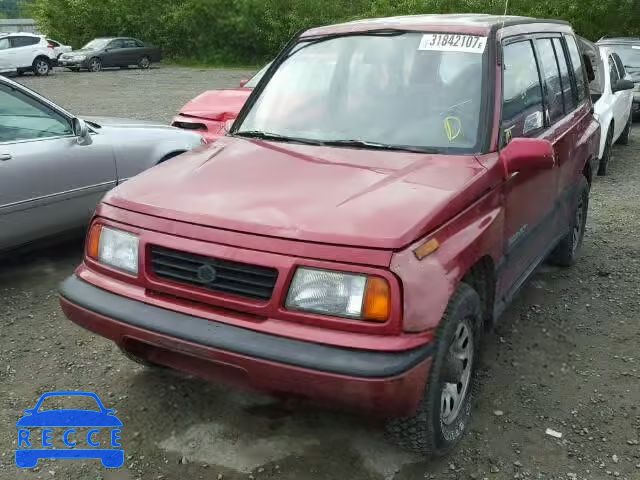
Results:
565 356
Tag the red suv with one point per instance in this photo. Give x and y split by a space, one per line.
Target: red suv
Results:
352 237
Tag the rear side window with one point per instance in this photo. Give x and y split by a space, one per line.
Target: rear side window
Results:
578 70
24 41
4 43
522 111
552 82
130 44
139 43
569 99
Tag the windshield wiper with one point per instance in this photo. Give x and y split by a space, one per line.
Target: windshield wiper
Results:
379 146
276 137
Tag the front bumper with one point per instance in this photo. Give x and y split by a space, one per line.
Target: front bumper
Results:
386 383
72 63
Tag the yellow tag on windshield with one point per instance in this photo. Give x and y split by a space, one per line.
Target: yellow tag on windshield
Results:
452 127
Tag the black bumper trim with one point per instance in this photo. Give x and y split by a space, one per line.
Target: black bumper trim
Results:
313 356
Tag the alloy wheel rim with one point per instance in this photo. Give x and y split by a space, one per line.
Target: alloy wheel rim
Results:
42 67
95 65
144 62
457 370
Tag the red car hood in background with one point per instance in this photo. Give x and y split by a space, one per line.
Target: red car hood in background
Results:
220 105
331 195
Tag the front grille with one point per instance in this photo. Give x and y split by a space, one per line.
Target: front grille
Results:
242 279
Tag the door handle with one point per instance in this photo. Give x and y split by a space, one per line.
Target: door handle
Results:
5 156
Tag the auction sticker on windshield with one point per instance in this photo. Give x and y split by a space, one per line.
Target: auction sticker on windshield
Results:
453 42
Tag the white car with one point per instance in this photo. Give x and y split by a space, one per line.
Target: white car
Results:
21 52
56 48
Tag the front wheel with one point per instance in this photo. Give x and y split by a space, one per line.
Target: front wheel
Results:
444 412
566 253
41 66
95 64
144 63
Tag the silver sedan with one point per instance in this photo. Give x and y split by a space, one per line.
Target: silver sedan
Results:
55 167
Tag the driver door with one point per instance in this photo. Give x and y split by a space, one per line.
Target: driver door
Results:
113 54
49 182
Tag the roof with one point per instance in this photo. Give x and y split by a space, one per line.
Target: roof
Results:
472 21
619 40
21 34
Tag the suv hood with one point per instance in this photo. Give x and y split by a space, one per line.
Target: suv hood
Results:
321 194
218 105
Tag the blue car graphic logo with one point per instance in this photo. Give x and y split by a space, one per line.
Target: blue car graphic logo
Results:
70 426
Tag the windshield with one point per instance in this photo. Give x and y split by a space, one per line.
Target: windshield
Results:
403 89
630 56
96 44
256 78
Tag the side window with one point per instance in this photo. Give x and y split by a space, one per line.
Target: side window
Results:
4 43
522 93
139 44
129 43
24 118
24 41
613 71
621 70
116 44
578 70
567 91
552 82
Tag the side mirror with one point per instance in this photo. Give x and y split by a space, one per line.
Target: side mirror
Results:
527 154
622 85
243 82
81 130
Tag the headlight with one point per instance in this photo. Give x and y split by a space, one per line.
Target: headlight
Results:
79 57
114 248
339 294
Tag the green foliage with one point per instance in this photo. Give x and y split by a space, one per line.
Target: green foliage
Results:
250 31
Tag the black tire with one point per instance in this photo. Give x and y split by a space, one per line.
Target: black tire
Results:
567 251
95 64
624 136
606 155
20 72
428 431
41 66
74 69
144 63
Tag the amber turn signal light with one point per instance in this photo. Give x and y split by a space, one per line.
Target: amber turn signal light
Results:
93 241
377 300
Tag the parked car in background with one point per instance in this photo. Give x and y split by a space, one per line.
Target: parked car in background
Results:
210 111
629 51
55 167
349 241
58 49
111 52
23 52
612 96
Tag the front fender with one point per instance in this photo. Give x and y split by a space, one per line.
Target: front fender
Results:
428 284
134 158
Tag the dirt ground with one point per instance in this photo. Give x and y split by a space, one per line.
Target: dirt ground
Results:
565 356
